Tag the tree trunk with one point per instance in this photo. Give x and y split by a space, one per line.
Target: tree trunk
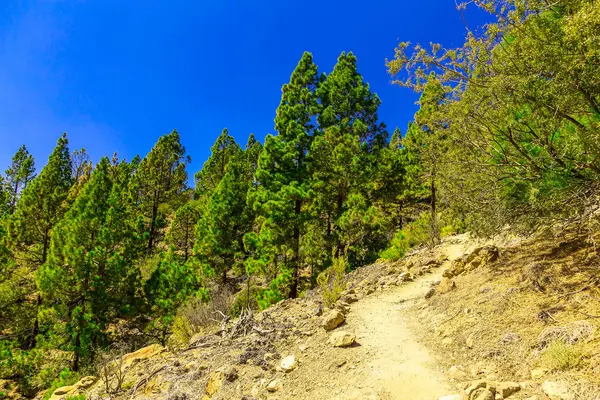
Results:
296 257
36 323
152 228
434 228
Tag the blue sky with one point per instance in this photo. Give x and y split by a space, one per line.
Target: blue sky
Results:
117 74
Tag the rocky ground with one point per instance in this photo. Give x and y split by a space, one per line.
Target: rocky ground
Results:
465 320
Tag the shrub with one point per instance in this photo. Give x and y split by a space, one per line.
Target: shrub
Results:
332 281
414 234
200 313
65 378
561 356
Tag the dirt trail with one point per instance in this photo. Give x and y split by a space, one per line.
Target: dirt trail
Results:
394 364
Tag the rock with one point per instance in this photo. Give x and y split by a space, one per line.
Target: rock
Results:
231 374
342 339
74 390
506 389
288 364
350 298
451 397
558 390
472 387
268 357
470 342
215 382
538 373
447 341
483 394
142 354
448 273
332 320
318 310
404 277
474 264
456 373
569 334
274 386
343 307
446 286
430 293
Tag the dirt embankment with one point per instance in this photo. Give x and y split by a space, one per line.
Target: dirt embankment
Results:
512 319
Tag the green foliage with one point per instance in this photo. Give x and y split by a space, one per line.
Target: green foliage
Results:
160 178
332 281
415 234
18 176
277 291
170 285
561 356
65 378
522 110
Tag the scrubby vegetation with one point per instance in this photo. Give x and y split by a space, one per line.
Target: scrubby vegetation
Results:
507 133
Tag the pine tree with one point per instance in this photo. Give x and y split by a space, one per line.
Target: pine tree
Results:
425 142
215 167
39 208
161 177
89 277
228 216
169 286
344 159
182 231
283 166
18 175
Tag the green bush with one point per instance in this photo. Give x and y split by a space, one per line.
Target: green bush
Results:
561 356
332 281
65 378
414 234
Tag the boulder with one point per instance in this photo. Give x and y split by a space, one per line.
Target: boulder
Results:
342 339
332 320
430 293
446 285
557 390
447 341
506 389
274 386
288 364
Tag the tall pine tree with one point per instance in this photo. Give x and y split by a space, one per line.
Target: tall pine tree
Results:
160 178
283 166
345 157
214 169
18 175
90 276
41 205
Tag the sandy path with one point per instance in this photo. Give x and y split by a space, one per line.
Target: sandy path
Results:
394 364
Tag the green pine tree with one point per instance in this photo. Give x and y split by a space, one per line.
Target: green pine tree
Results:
41 205
214 169
181 233
228 216
18 175
90 278
161 177
282 195
345 160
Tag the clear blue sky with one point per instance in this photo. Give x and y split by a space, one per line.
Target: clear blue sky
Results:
117 74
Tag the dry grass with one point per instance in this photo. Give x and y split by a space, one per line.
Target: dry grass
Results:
536 306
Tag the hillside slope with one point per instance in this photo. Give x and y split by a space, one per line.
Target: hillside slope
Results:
514 318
